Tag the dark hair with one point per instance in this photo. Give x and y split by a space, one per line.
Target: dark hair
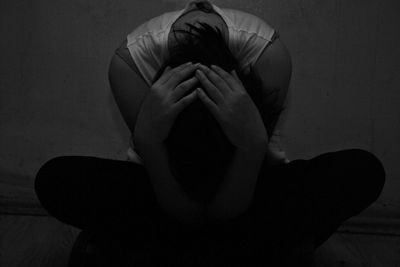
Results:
198 149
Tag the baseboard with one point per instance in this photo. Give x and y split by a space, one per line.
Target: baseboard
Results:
19 200
379 218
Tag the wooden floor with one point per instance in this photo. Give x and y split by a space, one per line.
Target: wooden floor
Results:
43 241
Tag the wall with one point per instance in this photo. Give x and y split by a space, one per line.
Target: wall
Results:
55 97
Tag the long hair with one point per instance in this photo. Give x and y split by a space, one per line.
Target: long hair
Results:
198 149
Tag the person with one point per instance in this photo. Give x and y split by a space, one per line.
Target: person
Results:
204 167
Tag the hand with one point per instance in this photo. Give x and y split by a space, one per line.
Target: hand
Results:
232 107
163 103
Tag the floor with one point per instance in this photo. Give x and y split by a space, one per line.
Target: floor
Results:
43 241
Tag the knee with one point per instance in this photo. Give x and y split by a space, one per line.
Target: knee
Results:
46 173
371 172
46 180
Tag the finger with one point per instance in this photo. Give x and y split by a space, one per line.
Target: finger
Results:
212 91
184 102
183 88
231 81
217 80
169 72
177 75
210 105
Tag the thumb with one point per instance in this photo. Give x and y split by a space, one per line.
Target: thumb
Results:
212 107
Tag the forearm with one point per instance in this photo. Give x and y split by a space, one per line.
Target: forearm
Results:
238 186
170 195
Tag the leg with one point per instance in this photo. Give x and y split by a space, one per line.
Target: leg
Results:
311 197
342 184
95 193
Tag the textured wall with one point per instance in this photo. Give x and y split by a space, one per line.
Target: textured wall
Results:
55 97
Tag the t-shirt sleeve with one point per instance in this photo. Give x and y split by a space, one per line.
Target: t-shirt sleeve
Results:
251 39
123 52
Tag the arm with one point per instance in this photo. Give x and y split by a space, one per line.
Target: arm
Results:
129 91
170 195
238 186
274 68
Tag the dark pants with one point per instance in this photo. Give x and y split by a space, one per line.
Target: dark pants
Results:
291 201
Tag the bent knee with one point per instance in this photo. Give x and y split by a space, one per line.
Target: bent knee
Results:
372 171
46 179
47 171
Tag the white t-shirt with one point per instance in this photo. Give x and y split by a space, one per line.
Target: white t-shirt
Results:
248 36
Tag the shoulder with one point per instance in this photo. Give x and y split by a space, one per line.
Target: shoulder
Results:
274 69
274 66
128 88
